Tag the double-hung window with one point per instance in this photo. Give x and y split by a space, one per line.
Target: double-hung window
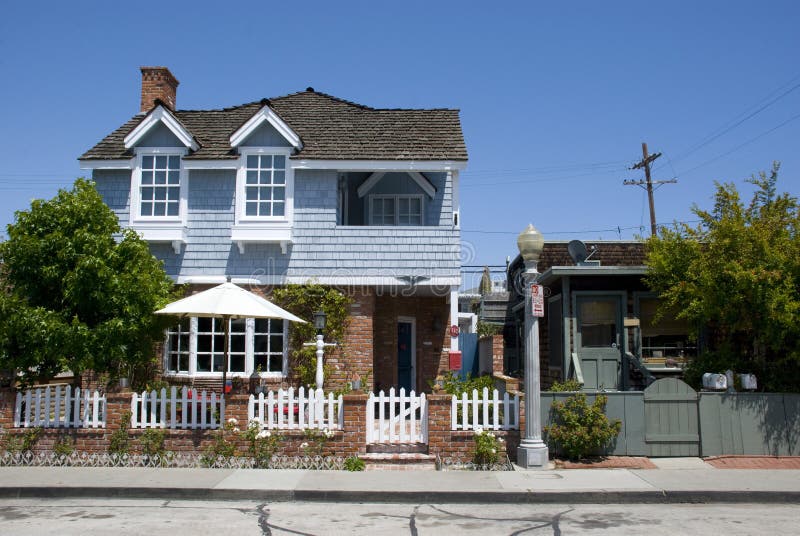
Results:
396 210
196 347
158 195
160 186
264 197
265 187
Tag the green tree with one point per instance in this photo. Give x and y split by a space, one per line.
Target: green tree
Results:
736 278
79 292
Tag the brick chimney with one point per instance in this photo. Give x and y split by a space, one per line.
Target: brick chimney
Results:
158 83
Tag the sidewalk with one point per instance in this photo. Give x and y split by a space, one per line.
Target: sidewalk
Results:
676 480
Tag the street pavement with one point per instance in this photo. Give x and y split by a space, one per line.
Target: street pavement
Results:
676 480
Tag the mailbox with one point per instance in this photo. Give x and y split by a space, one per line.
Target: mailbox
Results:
455 360
717 382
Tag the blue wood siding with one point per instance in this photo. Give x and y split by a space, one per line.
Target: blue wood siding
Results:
266 136
320 248
159 136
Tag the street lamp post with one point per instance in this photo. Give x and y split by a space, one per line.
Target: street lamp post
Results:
320 319
532 452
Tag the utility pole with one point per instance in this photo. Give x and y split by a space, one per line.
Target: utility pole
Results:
648 183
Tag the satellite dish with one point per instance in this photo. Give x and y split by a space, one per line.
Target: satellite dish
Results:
577 250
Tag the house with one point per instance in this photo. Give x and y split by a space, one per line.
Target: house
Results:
600 322
297 188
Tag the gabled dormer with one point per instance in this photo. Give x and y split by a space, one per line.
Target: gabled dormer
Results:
264 210
159 182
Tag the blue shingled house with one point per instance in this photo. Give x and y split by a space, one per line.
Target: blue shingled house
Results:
285 190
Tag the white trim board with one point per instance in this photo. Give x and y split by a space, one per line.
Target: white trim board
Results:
379 165
417 177
107 164
161 114
266 114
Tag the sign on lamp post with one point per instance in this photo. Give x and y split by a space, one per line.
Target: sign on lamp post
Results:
537 300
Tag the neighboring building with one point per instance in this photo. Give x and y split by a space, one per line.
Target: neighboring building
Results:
599 320
296 188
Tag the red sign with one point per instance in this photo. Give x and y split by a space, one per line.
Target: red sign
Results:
537 300
454 331
454 360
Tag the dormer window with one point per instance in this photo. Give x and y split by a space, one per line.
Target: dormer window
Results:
264 197
265 188
160 190
159 195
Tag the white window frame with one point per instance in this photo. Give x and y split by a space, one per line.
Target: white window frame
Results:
254 229
159 228
396 197
249 360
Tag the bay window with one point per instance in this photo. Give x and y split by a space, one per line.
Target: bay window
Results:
196 347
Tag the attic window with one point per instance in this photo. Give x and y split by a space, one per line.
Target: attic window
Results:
265 186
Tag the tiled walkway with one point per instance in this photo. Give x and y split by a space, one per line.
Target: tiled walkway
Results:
608 462
754 462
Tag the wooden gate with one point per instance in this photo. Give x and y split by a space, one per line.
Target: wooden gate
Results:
671 419
397 418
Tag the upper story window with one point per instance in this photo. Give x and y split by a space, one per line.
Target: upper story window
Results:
396 210
160 186
265 187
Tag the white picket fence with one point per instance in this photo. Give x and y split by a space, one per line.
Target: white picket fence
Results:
493 413
397 418
187 409
290 410
60 406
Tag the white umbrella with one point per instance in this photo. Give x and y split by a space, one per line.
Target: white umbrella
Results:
227 301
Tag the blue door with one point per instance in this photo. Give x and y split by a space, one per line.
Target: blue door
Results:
468 343
405 365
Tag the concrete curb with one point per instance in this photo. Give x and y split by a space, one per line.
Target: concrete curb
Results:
463 497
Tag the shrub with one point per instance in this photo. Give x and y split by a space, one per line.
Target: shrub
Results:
315 441
486 329
354 463
569 385
152 442
263 443
64 446
487 447
453 384
580 429
119 443
24 442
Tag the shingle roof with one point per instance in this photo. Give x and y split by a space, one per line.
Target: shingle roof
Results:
330 129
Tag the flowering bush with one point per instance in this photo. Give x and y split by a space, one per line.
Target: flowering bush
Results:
487 447
262 443
315 442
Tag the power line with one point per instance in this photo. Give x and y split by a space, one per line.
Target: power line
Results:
728 127
748 142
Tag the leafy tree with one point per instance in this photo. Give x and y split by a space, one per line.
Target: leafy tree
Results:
75 297
736 278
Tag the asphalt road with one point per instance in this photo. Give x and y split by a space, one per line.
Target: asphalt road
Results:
174 518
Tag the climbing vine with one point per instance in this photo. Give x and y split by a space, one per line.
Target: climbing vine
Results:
303 301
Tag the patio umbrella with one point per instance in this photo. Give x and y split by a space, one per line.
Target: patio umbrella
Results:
227 301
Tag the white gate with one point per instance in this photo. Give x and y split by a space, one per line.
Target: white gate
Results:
397 418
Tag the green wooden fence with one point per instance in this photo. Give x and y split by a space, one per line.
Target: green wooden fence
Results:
669 418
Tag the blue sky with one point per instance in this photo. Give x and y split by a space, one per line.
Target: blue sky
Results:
555 97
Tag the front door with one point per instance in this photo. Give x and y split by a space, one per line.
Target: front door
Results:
405 355
598 340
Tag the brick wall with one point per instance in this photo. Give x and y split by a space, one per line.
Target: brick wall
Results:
349 441
459 444
430 354
354 357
